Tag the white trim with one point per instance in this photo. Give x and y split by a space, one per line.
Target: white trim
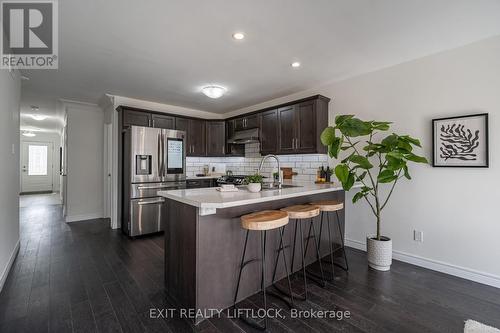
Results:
436 265
6 271
83 217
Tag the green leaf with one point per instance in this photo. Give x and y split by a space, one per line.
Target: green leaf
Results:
354 127
381 125
395 154
387 176
394 164
328 136
342 172
390 141
347 185
341 118
334 148
345 160
366 189
362 176
404 145
413 141
416 158
361 161
358 196
406 173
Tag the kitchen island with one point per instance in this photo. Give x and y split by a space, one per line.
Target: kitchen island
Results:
204 241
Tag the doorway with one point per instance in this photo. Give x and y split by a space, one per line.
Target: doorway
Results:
36 167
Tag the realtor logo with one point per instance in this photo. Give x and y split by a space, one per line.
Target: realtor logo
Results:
29 38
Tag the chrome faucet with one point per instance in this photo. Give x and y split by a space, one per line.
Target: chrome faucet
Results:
280 178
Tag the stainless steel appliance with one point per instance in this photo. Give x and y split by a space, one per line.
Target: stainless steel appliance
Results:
231 179
154 159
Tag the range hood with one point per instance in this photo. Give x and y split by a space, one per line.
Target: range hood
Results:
245 136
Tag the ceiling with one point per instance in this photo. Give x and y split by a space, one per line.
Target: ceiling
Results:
165 51
47 106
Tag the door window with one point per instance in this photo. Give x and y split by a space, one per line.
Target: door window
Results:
37 160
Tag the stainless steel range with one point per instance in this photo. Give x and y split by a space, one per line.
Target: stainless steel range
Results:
154 159
231 179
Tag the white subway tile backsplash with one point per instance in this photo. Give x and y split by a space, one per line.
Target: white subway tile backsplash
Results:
305 165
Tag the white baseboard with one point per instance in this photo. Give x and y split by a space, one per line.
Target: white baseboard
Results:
6 271
436 265
83 217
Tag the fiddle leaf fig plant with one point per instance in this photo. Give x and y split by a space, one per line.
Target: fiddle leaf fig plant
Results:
370 161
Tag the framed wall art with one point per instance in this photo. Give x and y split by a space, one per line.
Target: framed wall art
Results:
460 141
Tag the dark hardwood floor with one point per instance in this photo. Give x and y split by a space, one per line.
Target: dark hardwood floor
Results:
84 277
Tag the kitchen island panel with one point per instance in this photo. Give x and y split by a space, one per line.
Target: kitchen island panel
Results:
219 245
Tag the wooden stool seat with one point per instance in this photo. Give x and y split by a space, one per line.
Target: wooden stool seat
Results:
328 205
301 211
264 220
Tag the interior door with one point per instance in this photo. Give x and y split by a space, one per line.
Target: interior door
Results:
36 167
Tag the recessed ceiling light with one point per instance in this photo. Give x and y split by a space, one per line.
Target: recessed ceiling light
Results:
238 35
295 64
29 134
214 91
38 117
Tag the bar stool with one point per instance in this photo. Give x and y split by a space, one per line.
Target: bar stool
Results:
301 213
327 206
264 221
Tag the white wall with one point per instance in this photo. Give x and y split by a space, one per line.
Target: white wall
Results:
456 208
84 162
10 94
55 139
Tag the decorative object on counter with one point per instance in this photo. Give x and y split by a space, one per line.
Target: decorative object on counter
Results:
460 141
328 174
227 188
391 156
254 183
206 170
288 173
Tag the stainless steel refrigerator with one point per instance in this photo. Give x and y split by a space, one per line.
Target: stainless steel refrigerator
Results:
154 159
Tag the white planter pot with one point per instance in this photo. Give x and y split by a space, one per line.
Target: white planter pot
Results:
254 187
379 252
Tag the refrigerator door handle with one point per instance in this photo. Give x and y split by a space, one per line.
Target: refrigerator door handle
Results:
154 202
163 172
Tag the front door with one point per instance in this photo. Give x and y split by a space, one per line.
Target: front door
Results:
36 167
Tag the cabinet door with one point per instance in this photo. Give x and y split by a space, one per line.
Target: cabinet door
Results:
136 118
252 121
196 135
305 140
216 138
269 132
286 129
160 121
239 124
181 124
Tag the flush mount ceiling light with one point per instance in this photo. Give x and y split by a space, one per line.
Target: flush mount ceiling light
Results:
295 64
238 35
213 91
29 134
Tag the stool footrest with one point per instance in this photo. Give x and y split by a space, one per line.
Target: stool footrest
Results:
250 261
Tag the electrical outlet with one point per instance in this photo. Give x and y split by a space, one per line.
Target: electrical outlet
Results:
418 236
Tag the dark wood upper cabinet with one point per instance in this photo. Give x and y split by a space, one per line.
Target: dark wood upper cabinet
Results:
269 132
181 124
286 129
305 137
246 122
216 138
196 138
136 118
160 121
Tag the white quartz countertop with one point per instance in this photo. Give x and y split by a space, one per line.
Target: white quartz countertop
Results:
210 198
